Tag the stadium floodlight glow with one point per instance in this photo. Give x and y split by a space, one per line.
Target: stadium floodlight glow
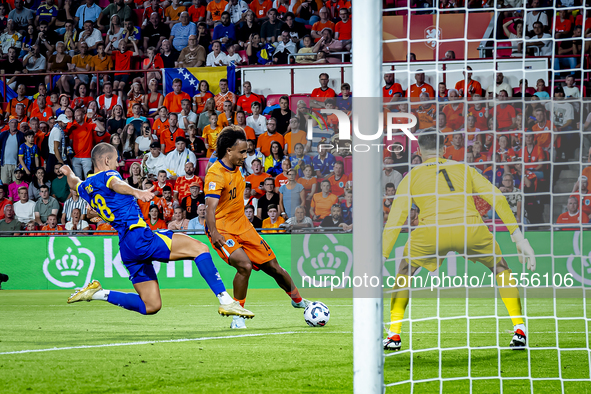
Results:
345 125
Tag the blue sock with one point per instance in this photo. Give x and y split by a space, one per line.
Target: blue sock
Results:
210 273
129 301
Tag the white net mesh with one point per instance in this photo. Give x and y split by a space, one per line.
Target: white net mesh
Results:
528 133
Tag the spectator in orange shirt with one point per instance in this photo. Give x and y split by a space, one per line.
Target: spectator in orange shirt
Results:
161 122
454 111
505 113
474 87
223 95
543 140
161 182
322 202
392 89
265 139
338 180
241 122
210 134
226 118
319 95
245 101
323 23
155 221
415 90
183 183
169 135
42 111
456 150
167 204
581 192
52 228
214 12
295 135
273 220
260 8
572 216
257 177
173 100
343 27
533 153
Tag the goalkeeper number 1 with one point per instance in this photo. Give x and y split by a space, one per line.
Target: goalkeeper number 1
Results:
449 221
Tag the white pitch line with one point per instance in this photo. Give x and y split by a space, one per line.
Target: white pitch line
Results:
166 341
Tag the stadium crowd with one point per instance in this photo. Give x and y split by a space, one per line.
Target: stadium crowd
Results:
168 141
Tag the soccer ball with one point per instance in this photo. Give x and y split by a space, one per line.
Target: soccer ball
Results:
316 314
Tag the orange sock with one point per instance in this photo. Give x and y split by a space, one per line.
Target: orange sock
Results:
240 301
294 295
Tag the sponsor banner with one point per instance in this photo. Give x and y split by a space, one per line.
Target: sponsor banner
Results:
428 33
41 263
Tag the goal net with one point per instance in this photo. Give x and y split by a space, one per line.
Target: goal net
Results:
505 83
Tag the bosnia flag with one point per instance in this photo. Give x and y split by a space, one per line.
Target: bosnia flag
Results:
192 76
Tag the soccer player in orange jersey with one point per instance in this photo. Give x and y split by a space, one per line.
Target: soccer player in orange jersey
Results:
227 227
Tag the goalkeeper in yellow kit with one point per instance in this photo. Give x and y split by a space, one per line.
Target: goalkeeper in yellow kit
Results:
442 190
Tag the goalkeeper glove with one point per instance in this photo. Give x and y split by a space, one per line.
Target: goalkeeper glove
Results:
524 250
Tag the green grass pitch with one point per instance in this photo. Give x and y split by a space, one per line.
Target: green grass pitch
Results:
190 348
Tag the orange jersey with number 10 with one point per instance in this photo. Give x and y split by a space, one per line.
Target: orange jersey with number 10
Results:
227 185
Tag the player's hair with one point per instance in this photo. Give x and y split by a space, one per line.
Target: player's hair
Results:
229 136
99 151
429 142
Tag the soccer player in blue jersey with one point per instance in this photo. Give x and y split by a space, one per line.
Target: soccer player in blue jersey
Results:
115 202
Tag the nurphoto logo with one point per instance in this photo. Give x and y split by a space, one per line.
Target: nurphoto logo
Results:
409 121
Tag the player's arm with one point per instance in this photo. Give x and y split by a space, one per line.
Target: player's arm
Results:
492 195
118 186
397 217
211 204
73 180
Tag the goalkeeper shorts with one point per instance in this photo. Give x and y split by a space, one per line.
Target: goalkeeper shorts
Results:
429 244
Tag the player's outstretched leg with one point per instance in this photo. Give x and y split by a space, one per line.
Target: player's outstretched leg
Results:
147 301
185 247
281 276
510 296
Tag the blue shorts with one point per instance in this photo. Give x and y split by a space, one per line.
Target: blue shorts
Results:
140 247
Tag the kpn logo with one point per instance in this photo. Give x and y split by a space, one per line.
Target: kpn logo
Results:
324 257
69 265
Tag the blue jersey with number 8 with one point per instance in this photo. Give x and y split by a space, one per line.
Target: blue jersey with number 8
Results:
119 210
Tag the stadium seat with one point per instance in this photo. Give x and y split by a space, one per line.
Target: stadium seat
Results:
294 98
503 52
348 164
202 165
151 120
400 4
139 15
244 57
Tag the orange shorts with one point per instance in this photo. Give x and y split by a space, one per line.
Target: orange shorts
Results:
255 247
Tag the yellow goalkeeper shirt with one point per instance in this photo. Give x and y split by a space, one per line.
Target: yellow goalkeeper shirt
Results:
443 190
